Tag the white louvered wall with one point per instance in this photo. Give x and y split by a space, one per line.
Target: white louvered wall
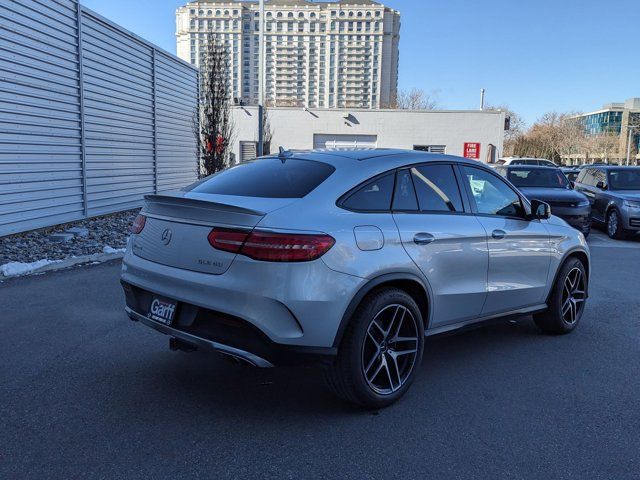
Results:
92 117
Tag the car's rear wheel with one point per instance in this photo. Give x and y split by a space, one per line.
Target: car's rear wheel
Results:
380 350
567 300
614 225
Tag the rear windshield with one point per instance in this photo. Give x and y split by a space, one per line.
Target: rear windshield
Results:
538 177
267 178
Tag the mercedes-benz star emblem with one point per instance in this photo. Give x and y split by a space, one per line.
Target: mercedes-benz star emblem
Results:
166 236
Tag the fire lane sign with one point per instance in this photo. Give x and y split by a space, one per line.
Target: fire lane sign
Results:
472 150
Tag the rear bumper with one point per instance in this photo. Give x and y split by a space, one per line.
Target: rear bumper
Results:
260 353
288 305
200 342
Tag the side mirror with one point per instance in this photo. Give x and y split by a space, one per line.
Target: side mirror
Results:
540 210
601 186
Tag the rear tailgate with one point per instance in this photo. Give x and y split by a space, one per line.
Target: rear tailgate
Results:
177 228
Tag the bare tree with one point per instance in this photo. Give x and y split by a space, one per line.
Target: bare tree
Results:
214 123
517 127
603 146
414 99
268 131
555 136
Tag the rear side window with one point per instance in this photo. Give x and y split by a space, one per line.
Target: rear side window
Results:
436 188
267 178
375 196
405 195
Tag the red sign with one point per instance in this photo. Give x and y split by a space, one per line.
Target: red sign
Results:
472 150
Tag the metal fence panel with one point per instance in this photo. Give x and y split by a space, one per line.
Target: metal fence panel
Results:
40 131
175 117
92 117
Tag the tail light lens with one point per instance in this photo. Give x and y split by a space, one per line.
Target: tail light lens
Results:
272 247
138 224
227 240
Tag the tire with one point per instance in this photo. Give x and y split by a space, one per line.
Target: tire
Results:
614 225
567 300
368 370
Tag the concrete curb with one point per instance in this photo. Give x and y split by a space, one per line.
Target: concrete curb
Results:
70 262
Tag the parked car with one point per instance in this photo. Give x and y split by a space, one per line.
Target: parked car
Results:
526 161
349 258
614 194
571 173
550 185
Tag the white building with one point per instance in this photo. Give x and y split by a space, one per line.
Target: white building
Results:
474 134
341 54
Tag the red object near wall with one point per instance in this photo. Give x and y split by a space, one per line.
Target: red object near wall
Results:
472 150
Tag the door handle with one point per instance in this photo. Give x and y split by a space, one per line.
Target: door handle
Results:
498 234
423 238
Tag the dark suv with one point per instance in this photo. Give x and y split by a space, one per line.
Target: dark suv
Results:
549 184
614 193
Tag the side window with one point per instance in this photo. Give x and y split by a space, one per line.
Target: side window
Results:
589 177
436 188
581 175
600 176
375 196
492 195
405 196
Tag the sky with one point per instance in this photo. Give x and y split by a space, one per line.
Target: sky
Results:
533 56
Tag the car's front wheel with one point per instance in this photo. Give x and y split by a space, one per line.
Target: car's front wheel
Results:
380 351
614 225
567 299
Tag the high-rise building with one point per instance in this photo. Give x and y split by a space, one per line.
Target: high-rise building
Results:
340 54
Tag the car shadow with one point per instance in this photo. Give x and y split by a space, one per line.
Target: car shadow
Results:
202 383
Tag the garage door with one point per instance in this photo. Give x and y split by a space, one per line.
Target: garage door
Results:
342 142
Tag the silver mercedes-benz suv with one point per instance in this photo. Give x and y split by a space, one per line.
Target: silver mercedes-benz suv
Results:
350 258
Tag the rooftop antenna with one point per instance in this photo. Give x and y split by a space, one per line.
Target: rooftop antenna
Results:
283 154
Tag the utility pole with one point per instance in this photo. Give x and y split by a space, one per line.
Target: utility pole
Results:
631 129
261 74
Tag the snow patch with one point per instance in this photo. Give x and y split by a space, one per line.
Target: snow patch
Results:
110 250
14 269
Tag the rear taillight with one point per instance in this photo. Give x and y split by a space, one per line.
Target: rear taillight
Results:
227 240
138 224
272 247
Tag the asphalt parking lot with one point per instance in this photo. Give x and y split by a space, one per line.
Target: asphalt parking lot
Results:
88 394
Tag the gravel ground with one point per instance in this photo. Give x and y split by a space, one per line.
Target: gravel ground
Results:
109 230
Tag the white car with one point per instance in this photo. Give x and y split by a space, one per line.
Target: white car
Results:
543 162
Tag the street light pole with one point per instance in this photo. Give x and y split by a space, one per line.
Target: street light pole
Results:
261 81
